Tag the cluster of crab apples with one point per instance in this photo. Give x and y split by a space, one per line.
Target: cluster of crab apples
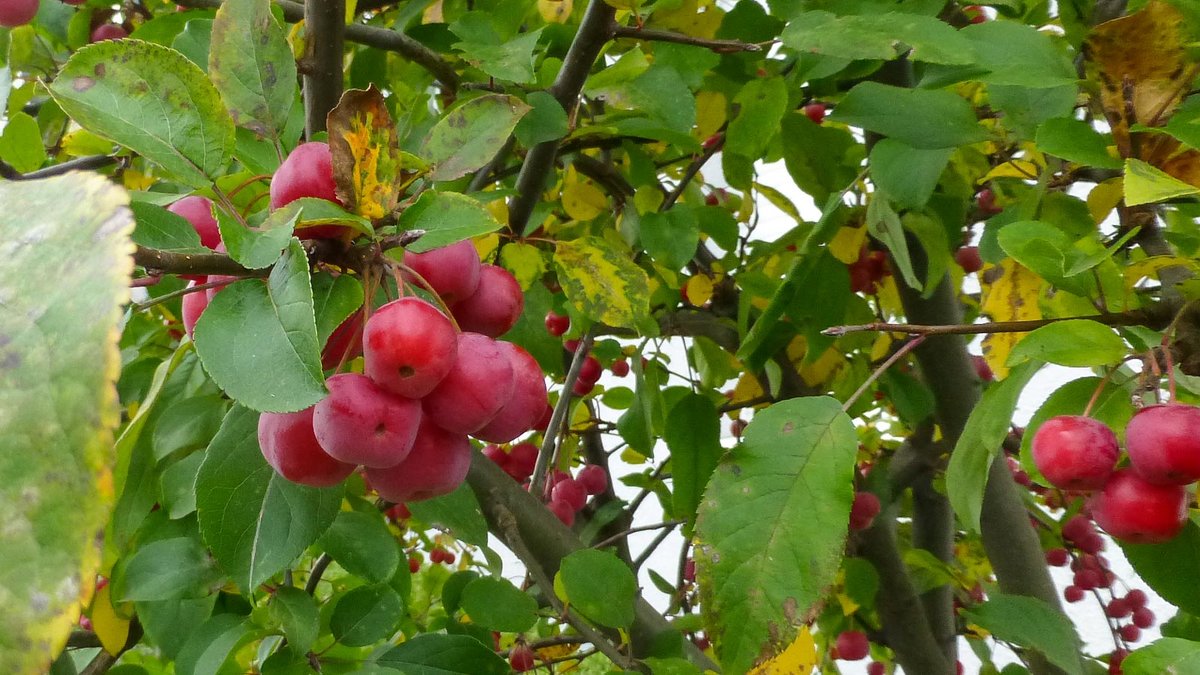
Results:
1143 502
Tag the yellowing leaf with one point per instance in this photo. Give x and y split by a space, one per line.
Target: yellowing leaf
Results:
499 210
746 389
847 243
556 651
1010 293
486 245
631 456
800 658
555 11
849 606
699 18
1150 267
1147 184
823 369
1017 168
699 290
112 629
710 113
1104 198
604 283
135 180
881 347
366 155
81 142
583 201
524 261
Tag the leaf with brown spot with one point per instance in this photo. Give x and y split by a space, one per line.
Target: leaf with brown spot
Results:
367 164
250 62
1010 293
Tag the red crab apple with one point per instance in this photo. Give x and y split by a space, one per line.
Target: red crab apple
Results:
15 13
557 324
815 112
563 511
494 307
198 211
289 445
594 479
362 423
194 305
853 645
1133 510
863 511
408 347
108 31
968 258
522 460
436 466
307 172
475 389
451 271
523 409
521 658
1075 452
570 491
1164 443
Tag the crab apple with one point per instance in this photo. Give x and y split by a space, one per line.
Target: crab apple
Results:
582 387
557 324
15 13
1057 557
1134 510
494 307
451 271
876 668
1164 443
570 491
975 14
527 402
863 510
985 199
1077 528
593 478
414 565
982 370
478 385
398 512
108 31
968 258
853 645
436 466
521 658
307 172
198 211
496 454
1075 452
289 445
590 370
1130 633
194 305
408 347
522 460
1136 598
620 368
1143 617
344 343
563 511
363 423
1073 594
815 112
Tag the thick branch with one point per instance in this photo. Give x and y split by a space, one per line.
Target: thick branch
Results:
719 46
538 538
380 38
594 32
325 31
168 262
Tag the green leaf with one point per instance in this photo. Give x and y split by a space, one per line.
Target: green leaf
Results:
251 64
153 101
1147 184
169 623
58 406
906 174
924 119
820 159
884 224
599 586
193 42
363 545
21 143
255 521
1019 54
671 238
1166 655
458 512
510 60
498 605
878 36
1076 343
257 247
446 218
546 120
168 569
211 644
274 329
1076 141
1171 568
296 613
1030 623
159 228
693 435
639 426
603 282
366 615
981 439
178 483
471 134
433 654
1046 250
335 299
772 526
187 424
760 104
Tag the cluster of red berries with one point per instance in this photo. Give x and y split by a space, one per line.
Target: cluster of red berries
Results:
591 370
1092 573
568 495
866 272
1145 502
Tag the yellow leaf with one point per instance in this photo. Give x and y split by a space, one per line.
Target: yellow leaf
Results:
847 243
433 13
699 18
365 154
555 11
746 389
112 630
798 659
823 369
556 651
631 456
1104 198
136 180
710 113
1017 168
1150 267
584 201
80 143
524 261
699 290
1010 293
881 347
849 606
486 245
976 631
647 199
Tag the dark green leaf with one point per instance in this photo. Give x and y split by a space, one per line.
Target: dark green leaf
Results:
152 100
772 526
1171 568
251 64
178 483
510 60
546 121
820 159
258 247
878 36
1030 623
363 545
159 228
760 104
1019 54
211 644
693 434
446 218
273 327
169 623
671 238
432 654
925 119
335 298
168 569
366 615
188 424
599 586
906 174
498 605
255 521
1163 657
884 224
458 512
296 613
1076 141
1076 343
471 134
21 143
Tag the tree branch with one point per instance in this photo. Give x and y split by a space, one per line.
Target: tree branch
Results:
650 34
594 31
1157 316
558 417
89 163
169 262
324 59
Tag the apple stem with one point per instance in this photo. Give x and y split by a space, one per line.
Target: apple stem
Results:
891 360
399 269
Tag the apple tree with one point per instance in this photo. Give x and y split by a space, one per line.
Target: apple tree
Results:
374 337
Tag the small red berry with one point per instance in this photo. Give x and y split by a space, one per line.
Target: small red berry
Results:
863 511
853 645
1057 557
557 324
968 258
590 370
876 668
1130 633
521 658
815 112
413 565
1073 594
986 201
689 570
736 427
594 479
1142 617
571 492
620 368
582 388
1136 598
1118 609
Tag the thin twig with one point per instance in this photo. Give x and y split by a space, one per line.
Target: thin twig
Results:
653 545
891 361
90 163
719 46
318 570
643 528
559 416
1133 318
